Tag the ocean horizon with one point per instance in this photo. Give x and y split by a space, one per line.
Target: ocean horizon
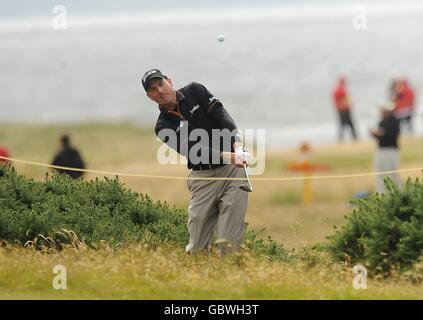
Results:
275 69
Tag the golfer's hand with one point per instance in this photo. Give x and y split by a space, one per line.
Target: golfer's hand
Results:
244 154
234 158
377 133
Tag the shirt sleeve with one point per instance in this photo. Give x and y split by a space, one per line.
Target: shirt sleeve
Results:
215 110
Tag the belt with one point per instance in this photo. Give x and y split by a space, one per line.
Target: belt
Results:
200 167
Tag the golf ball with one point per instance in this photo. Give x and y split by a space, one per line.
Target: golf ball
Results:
220 38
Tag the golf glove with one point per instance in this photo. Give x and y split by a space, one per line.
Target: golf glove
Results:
244 155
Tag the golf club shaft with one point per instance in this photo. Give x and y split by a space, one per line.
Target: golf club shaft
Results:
250 188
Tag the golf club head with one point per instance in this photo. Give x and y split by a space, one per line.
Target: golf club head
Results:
246 188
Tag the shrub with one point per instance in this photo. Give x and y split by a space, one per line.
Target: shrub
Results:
384 231
258 241
96 211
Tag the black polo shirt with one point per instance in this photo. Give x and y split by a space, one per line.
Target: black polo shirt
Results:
197 109
391 131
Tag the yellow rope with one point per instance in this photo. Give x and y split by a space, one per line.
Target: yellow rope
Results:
343 176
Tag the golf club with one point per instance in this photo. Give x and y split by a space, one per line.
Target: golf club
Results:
249 187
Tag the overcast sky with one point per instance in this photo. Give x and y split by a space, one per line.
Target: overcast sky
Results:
22 8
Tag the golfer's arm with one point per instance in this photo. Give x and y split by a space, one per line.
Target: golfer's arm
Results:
215 110
225 121
182 146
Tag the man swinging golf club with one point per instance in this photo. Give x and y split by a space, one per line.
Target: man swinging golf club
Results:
217 204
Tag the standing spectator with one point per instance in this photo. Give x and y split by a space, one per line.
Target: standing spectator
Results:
343 106
404 103
387 156
68 157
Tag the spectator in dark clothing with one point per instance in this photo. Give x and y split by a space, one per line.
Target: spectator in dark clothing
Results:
68 157
387 156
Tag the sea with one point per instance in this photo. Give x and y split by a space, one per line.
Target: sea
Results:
275 70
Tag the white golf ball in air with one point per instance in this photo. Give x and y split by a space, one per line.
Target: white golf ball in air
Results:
220 38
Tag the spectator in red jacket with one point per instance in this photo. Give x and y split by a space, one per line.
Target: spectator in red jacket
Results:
404 101
343 107
4 152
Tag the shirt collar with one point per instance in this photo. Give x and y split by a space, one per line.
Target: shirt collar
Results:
179 97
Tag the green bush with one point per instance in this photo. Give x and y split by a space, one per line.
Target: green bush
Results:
258 241
384 231
96 211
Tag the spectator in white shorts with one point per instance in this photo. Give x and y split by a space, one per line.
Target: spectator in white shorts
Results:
387 155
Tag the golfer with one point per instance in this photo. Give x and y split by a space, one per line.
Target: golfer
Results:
218 205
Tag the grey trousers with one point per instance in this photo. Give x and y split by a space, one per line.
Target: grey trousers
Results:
218 205
387 159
